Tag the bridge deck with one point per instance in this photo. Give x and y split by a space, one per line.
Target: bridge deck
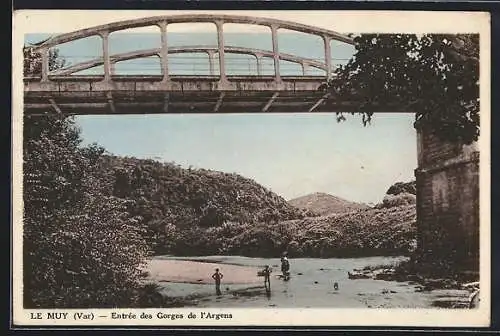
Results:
180 94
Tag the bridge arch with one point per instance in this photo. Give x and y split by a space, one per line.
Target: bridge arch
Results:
219 20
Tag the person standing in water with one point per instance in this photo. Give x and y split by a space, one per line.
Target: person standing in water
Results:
267 278
217 276
285 266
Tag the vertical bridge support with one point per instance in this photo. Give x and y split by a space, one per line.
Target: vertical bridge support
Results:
45 64
258 60
274 35
220 43
105 55
164 50
210 55
328 57
447 180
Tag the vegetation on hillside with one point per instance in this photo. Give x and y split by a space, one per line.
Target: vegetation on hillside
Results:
387 231
203 212
390 201
400 193
403 187
170 199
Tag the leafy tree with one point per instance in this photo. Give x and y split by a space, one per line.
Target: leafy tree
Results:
434 75
81 248
33 62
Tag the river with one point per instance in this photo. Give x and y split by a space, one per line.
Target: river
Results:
311 285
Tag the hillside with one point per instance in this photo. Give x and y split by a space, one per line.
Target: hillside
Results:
164 195
325 204
387 231
203 212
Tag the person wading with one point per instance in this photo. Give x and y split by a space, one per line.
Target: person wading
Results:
217 276
285 267
266 273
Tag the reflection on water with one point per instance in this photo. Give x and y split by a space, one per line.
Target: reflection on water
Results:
312 284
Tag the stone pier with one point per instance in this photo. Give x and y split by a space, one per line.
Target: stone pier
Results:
447 180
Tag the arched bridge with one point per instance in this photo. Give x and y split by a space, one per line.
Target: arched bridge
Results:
66 91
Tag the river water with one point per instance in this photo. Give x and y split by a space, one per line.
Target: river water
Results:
311 285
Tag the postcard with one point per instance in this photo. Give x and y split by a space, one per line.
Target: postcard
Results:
250 168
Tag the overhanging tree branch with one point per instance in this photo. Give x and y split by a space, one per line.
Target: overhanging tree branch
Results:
434 75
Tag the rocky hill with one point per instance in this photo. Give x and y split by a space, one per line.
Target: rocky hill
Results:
325 204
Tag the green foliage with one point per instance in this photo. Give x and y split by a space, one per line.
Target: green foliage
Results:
176 203
387 231
404 198
362 233
201 212
33 62
434 75
402 187
399 194
81 247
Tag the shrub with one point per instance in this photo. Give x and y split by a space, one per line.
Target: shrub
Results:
404 198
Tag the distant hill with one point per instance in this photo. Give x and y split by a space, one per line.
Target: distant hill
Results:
325 204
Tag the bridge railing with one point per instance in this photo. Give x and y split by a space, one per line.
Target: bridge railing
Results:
108 61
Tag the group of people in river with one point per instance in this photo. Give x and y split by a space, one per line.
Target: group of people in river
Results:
266 273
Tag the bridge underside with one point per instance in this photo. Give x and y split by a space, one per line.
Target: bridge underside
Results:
181 94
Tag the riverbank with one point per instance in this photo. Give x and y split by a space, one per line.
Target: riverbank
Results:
311 284
454 290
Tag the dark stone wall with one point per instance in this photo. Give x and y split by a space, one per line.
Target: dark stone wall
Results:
448 201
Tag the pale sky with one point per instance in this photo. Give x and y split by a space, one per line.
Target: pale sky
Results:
292 154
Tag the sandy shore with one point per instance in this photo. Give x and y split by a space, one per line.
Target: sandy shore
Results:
184 271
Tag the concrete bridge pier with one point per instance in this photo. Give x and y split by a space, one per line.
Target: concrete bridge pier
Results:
447 181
